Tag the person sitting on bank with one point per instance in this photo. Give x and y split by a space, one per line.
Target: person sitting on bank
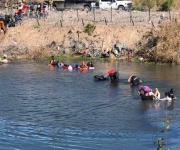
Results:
105 54
134 80
4 59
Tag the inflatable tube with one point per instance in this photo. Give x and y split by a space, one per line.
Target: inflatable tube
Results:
145 98
83 69
100 78
65 67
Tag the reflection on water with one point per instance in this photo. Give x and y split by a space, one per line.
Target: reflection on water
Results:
41 108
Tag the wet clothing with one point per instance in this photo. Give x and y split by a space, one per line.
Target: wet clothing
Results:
90 64
135 80
171 94
114 76
144 89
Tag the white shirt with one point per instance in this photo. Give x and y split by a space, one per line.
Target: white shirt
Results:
70 68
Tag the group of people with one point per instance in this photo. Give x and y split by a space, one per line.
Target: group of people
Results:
144 91
147 93
82 67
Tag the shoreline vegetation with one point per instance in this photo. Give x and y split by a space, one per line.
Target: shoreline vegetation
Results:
72 34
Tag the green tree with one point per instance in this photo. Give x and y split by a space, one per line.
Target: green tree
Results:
149 4
166 6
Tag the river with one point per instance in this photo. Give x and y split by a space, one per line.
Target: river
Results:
45 109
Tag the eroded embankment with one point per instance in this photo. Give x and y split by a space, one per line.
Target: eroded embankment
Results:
29 39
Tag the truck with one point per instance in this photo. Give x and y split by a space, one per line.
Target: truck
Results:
113 4
71 4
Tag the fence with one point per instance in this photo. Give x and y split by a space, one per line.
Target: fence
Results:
73 17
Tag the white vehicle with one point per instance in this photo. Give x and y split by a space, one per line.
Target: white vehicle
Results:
114 4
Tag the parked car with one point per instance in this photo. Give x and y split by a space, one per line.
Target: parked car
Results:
113 4
71 4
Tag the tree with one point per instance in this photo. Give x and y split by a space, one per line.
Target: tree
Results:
167 5
149 4
159 2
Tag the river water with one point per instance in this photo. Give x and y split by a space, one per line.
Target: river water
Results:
46 109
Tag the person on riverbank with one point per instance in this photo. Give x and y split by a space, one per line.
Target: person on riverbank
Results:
105 54
134 80
4 60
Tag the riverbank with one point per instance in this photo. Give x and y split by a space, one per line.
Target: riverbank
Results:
77 32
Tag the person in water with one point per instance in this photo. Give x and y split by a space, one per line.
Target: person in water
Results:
169 96
83 65
144 90
113 74
90 64
157 94
60 64
134 80
70 68
52 61
166 98
147 91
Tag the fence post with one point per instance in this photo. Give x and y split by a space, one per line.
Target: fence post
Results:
62 15
77 14
111 13
131 19
61 23
94 16
105 20
82 22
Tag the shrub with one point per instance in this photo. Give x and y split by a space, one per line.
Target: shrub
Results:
162 45
166 5
89 29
